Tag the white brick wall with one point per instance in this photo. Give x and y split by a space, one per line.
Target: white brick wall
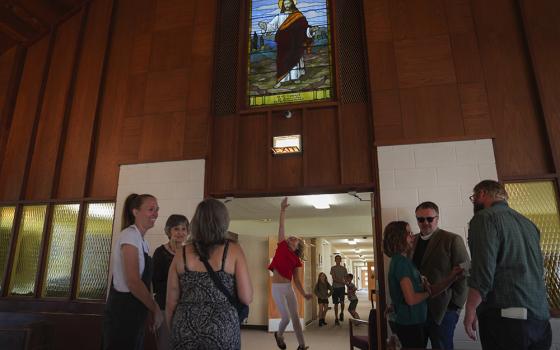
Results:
444 173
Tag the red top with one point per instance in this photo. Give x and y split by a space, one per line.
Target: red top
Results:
284 261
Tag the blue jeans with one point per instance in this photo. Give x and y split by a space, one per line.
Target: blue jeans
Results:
441 336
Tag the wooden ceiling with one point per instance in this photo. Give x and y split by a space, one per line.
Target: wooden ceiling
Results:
24 21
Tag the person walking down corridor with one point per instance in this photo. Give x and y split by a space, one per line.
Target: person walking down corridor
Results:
286 265
338 273
323 291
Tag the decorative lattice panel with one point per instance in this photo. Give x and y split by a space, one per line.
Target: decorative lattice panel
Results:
96 249
6 223
24 270
58 275
350 42
537 201
226 59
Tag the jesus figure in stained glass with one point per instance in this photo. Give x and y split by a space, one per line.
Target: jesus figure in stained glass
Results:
293 37
289 58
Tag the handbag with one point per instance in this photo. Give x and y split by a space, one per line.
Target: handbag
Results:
242 309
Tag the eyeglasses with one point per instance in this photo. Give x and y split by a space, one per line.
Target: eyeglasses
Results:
473 196
429 219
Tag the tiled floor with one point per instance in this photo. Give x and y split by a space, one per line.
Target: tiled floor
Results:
326 338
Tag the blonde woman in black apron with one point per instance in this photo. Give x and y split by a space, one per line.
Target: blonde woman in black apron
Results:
130 300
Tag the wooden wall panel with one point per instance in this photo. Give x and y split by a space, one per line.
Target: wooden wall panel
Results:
21 132
543 33
321 147
253 152
413 19
424 62
521 142
383 67
77 146
223 162
432 112
199 99
113 103
162 135
11 63
377 20
355 144
7 62
286 171
53 110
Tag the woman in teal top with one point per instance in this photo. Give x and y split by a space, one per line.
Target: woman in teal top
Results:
408 289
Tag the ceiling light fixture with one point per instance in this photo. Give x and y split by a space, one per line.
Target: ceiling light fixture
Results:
320 201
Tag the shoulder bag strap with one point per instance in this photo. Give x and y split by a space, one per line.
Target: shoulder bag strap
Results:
218 283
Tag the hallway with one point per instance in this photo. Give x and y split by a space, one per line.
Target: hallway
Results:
326 337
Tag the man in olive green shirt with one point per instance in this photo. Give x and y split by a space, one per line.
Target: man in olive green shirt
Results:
507 294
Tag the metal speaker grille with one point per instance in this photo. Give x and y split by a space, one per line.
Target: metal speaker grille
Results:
351 62
226 62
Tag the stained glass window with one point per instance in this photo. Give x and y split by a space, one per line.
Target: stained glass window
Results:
289 50
6 223
30 235
94 265
61 251
537 201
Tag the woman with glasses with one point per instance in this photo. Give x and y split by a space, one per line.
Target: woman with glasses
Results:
408 290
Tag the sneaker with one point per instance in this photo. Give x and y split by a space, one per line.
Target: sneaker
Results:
336 323
341 316
301 347
279 341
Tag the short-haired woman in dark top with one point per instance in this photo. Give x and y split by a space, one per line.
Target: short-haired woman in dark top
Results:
176 229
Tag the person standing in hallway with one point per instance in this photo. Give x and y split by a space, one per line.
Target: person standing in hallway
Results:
323 291
338 273
435 252
507 298
286 265
130 299
176 229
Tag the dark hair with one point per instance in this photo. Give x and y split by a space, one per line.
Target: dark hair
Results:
351 276
337 256
493 188
209 226
428 205
133 201
326 279
175 220
394 238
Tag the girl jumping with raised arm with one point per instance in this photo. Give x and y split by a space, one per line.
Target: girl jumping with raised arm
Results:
285 265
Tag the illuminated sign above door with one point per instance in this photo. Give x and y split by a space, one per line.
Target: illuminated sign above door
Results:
290 144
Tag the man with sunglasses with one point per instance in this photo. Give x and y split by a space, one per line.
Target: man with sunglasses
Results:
507 299
435 252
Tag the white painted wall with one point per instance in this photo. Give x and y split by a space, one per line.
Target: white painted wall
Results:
444 173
